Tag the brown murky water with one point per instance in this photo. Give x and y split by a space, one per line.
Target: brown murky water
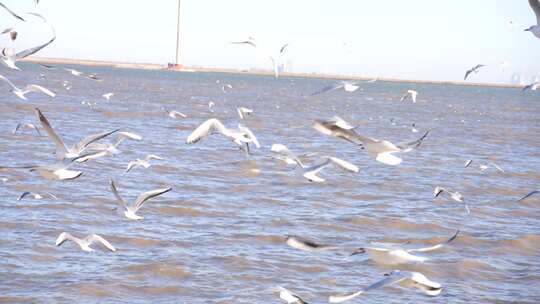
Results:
218 236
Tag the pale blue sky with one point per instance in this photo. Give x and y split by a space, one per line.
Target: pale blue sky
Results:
413 39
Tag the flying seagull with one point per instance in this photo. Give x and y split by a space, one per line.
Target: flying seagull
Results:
243 112
9 60
533 86
348 86
11 12
382 150
535 29
175 114
275 59
28 89
107 96
81 74
305 244
62 151
36 195
112 149
411 93
241 136
407 278
142 162
56 171
84 243
454 195
26 126
289 297
284 154
529 195
475 70
396 255
131 211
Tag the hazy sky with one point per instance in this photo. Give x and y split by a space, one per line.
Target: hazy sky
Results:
413 39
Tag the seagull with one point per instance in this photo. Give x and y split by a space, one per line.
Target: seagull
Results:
107 96
243 112
250 41
310 172
84 243
211 104
12 33
142 162
57 171
26 126
11 12
348 86
9 60
131 211
407 278
175 114
411 93
528 195
284 154
62 151
112 149
228 86
533 86
305 244
396 255
289 297
535 29
241 136
456 196
382 150
276 59
484 167
36 195
81 74
475 69
414 129
28 89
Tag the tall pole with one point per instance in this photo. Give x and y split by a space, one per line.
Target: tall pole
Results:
177 62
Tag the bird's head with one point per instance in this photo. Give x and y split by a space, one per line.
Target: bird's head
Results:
358 251
529 29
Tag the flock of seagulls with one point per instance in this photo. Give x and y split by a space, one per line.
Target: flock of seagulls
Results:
382 151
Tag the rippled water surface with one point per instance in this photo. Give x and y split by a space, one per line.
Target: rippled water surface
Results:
218 236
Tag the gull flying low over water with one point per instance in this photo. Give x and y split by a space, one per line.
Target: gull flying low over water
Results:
284 154
81 74
11 12
175 114
396 255
142 162
382 150
62 151
529 195
535 29
26 126
28 89
244 112
36 195
84 243
310 172
404 278
533 86
456 196
484 167
347 85
276 59
475 70
57 171
241 136
107 96
305 244
289 297
411 93
112 149
131 211
9 60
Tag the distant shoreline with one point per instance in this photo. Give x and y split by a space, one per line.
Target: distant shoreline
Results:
154 66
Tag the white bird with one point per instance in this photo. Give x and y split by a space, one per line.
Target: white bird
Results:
142 162
396 255
243 112
474 69
81 74
454 195
535 29
241 136
57 171
107 96
84 243
26 126
305 244
484 167
211 104
275 59
131 211
62 151
405 278
175 114
289 297
411 93
28 89
112 149
9 59
36 195
533 86
347 85
382 150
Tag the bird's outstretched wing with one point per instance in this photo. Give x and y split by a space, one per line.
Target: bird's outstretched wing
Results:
142 198
435 247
